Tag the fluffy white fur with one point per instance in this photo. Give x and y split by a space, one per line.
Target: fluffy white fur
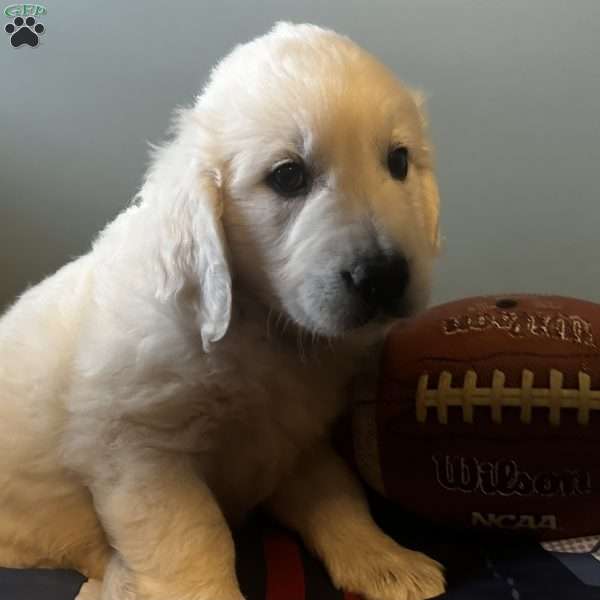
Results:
187 369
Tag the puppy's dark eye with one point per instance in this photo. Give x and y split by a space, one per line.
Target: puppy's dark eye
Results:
398 163
288 179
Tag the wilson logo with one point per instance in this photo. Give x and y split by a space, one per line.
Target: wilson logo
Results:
505 478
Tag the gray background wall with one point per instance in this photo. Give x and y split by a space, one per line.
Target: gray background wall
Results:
514 101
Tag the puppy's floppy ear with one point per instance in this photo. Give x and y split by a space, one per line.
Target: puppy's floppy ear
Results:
429 187
185 190
211 265
431 208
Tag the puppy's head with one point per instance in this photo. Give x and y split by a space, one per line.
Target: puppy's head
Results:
330 206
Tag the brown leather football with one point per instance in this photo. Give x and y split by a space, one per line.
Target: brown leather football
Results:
486 413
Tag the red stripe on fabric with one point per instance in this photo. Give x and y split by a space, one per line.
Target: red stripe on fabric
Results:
351 596
285 572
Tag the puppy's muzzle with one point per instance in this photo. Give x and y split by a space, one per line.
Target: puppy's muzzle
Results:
380 283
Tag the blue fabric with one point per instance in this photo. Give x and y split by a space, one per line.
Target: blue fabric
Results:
39 584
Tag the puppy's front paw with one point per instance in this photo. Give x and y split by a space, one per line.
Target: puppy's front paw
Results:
383 570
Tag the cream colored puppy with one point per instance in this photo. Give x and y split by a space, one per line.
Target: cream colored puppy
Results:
187 369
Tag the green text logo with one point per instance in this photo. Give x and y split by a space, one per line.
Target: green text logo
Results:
25 10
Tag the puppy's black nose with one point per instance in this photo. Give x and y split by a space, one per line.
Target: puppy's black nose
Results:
380 282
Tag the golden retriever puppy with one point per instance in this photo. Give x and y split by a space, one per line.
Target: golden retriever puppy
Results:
188 367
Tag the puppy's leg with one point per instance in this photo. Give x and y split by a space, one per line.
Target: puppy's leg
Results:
90 590
325 504
171 539
119 582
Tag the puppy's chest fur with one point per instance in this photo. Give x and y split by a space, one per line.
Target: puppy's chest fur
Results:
281 404
243 412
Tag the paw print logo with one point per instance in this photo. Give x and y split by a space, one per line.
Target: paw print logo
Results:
24 31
